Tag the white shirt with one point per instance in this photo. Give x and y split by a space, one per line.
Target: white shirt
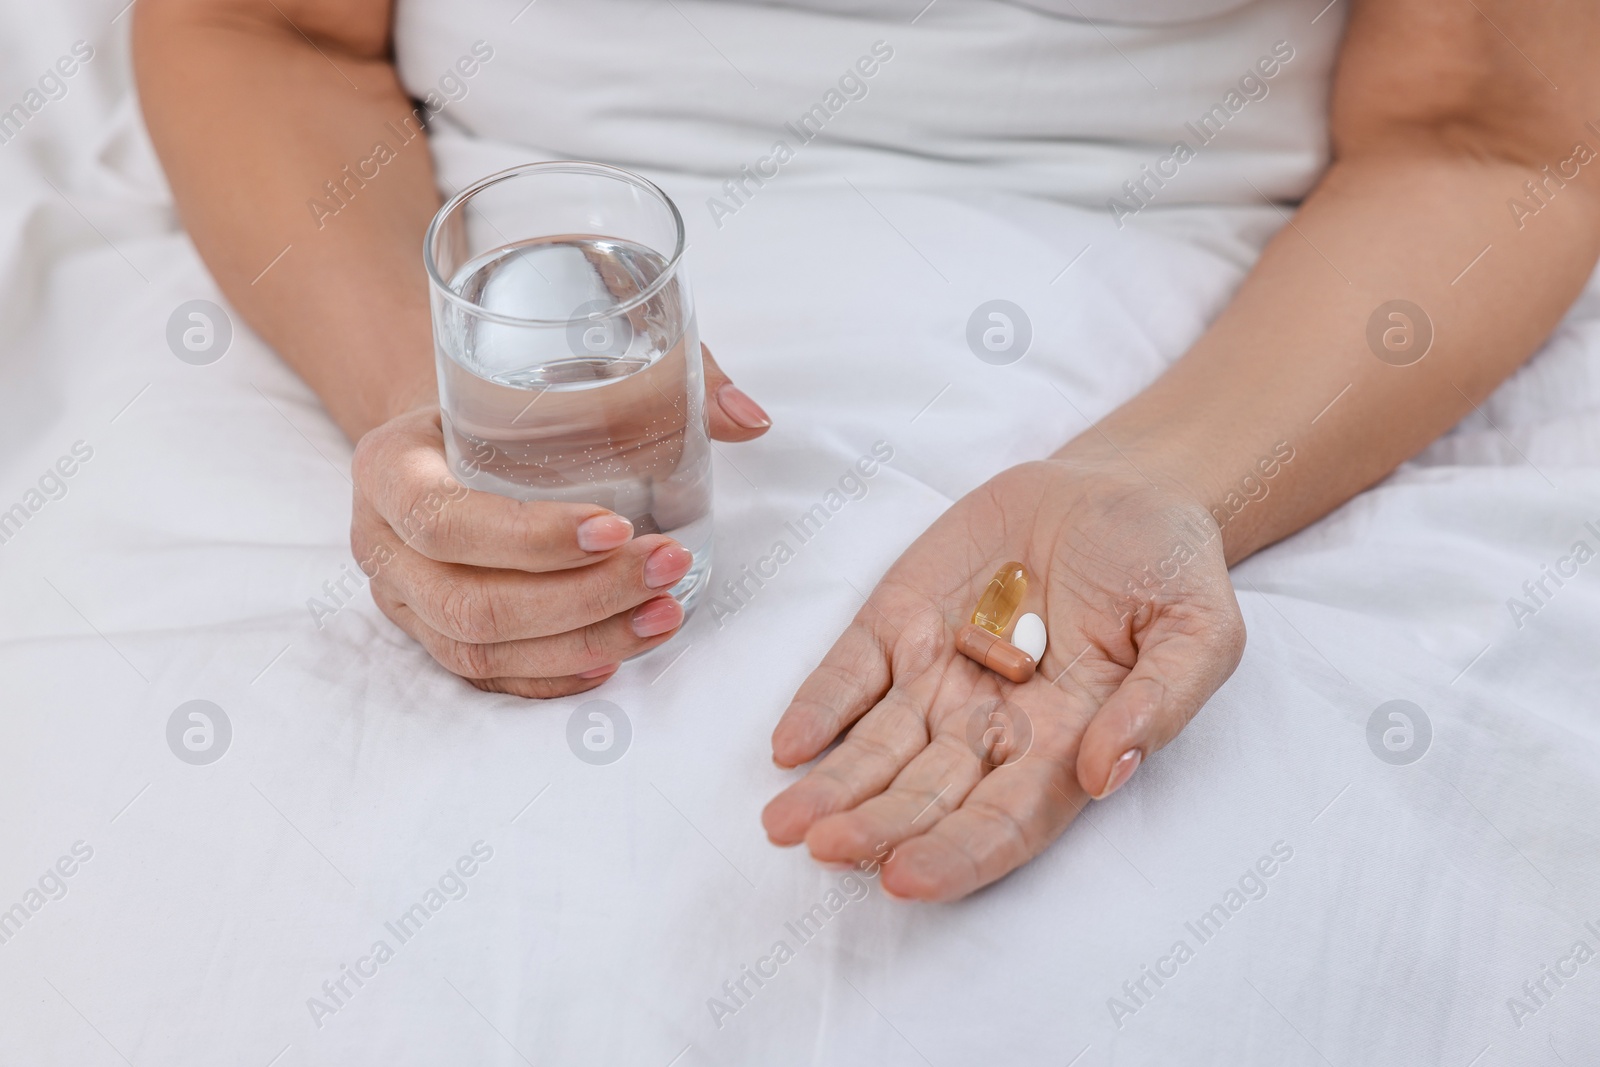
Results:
1037 96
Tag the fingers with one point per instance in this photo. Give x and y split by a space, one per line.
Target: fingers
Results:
932 785
733 415
1036 730
400 472
540 688
481 606
1006 820
534 599
1183 659
851 678
594 649
867 761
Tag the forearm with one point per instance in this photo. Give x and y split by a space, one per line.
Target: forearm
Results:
251 121
1289 361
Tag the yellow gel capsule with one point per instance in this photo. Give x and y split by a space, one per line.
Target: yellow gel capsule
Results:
999 601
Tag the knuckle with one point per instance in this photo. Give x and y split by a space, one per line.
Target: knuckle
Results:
601 599
598 595
431 521
358 539
468 613
593 648
467 660
365 462
424 540
389 605
419 527
370 550
381 582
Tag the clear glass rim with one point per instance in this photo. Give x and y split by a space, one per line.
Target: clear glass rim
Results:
559 166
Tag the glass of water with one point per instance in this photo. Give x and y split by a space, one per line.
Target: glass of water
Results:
568 354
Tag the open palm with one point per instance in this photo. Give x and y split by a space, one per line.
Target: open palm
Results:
963 774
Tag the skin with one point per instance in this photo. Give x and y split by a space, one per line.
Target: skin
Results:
1438 119
501 592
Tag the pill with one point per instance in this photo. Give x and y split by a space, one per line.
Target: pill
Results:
1001 597
1002 657
1029 636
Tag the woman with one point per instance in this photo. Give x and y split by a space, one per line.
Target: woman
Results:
1442 118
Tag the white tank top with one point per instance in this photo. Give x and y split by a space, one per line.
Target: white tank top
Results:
1173 102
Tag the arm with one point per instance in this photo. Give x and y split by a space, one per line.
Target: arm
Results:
960 776
1438 122
254 107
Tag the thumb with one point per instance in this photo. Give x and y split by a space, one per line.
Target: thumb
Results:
734 416
1181 663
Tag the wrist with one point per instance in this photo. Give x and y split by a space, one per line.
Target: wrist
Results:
1240 480
402 398
366 370
374 403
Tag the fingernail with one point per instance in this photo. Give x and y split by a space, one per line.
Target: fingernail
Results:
657 617
603 533
599 672
666 565
1121 771
741 409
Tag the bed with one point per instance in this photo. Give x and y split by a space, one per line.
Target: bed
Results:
238 829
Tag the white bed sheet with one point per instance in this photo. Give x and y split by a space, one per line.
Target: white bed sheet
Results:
218 899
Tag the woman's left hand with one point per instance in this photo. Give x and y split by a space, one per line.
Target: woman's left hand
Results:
963 774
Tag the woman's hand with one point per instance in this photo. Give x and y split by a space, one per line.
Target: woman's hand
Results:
965 775
533 598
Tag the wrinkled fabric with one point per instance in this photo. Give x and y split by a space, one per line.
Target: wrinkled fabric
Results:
977 94
1408 911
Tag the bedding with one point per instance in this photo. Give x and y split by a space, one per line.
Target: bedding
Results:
238 829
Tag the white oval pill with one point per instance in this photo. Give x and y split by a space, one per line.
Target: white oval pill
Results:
1029 636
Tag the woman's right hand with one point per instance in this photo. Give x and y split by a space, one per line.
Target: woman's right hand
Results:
532 598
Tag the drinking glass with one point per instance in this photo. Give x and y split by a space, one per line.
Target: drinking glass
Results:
567 349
